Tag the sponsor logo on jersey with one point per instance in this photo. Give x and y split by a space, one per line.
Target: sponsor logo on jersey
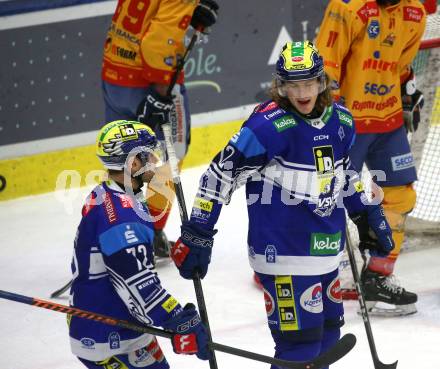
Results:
321 137
311 299
124 34
337 17
379 65
141 358
373 29
271 254
89 204
368 104
170 304
284 123
389 40
114 340
123 53
401 162
358 186
345 118
126 201
412 14
334 291
273 114
324 159
109 208
325 243
205 205
286 303
370 9
272 105
375 89
88 343
154 349
268 302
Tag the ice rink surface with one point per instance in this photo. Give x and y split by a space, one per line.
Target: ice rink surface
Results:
37 235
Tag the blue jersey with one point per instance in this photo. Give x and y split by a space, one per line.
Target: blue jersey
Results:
298 181
113 275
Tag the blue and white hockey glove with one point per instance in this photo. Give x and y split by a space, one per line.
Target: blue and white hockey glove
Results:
192 251
190 337
155 109
374 231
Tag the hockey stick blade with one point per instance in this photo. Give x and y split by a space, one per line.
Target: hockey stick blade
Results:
60 291
340 349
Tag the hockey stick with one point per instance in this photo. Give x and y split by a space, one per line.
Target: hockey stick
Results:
166 128
357 281
60 291
344 345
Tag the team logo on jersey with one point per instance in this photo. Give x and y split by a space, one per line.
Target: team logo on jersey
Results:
271 254
373 29
334 292
311 299
325 244
114 340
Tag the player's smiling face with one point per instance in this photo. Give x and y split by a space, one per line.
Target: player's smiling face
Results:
303 94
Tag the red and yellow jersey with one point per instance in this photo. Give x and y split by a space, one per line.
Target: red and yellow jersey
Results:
367 50
144 39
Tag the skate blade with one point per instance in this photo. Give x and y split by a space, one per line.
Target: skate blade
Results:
382 309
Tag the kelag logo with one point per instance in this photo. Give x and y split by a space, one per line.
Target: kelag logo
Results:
325 244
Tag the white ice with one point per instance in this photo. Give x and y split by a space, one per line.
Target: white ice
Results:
36 245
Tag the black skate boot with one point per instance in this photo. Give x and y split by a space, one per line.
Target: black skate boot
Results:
161 245
380 288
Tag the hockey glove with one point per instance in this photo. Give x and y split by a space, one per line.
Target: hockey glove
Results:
190 334
374 231
192 251
412 103
154 110
205 15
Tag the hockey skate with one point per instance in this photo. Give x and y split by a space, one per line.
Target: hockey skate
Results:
384 297
161 247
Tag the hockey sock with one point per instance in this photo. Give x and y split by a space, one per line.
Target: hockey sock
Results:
329 338
296 351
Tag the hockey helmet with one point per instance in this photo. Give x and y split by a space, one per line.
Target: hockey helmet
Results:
120 138
299 61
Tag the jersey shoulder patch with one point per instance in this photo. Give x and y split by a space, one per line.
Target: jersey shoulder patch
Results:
344 115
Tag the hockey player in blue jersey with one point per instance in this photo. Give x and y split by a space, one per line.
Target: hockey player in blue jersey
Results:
113 271
292 155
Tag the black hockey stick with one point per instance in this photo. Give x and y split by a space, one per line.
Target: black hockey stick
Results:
61 290
364 311
166 128
342 347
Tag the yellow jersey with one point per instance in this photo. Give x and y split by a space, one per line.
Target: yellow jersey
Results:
144 39
367 51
